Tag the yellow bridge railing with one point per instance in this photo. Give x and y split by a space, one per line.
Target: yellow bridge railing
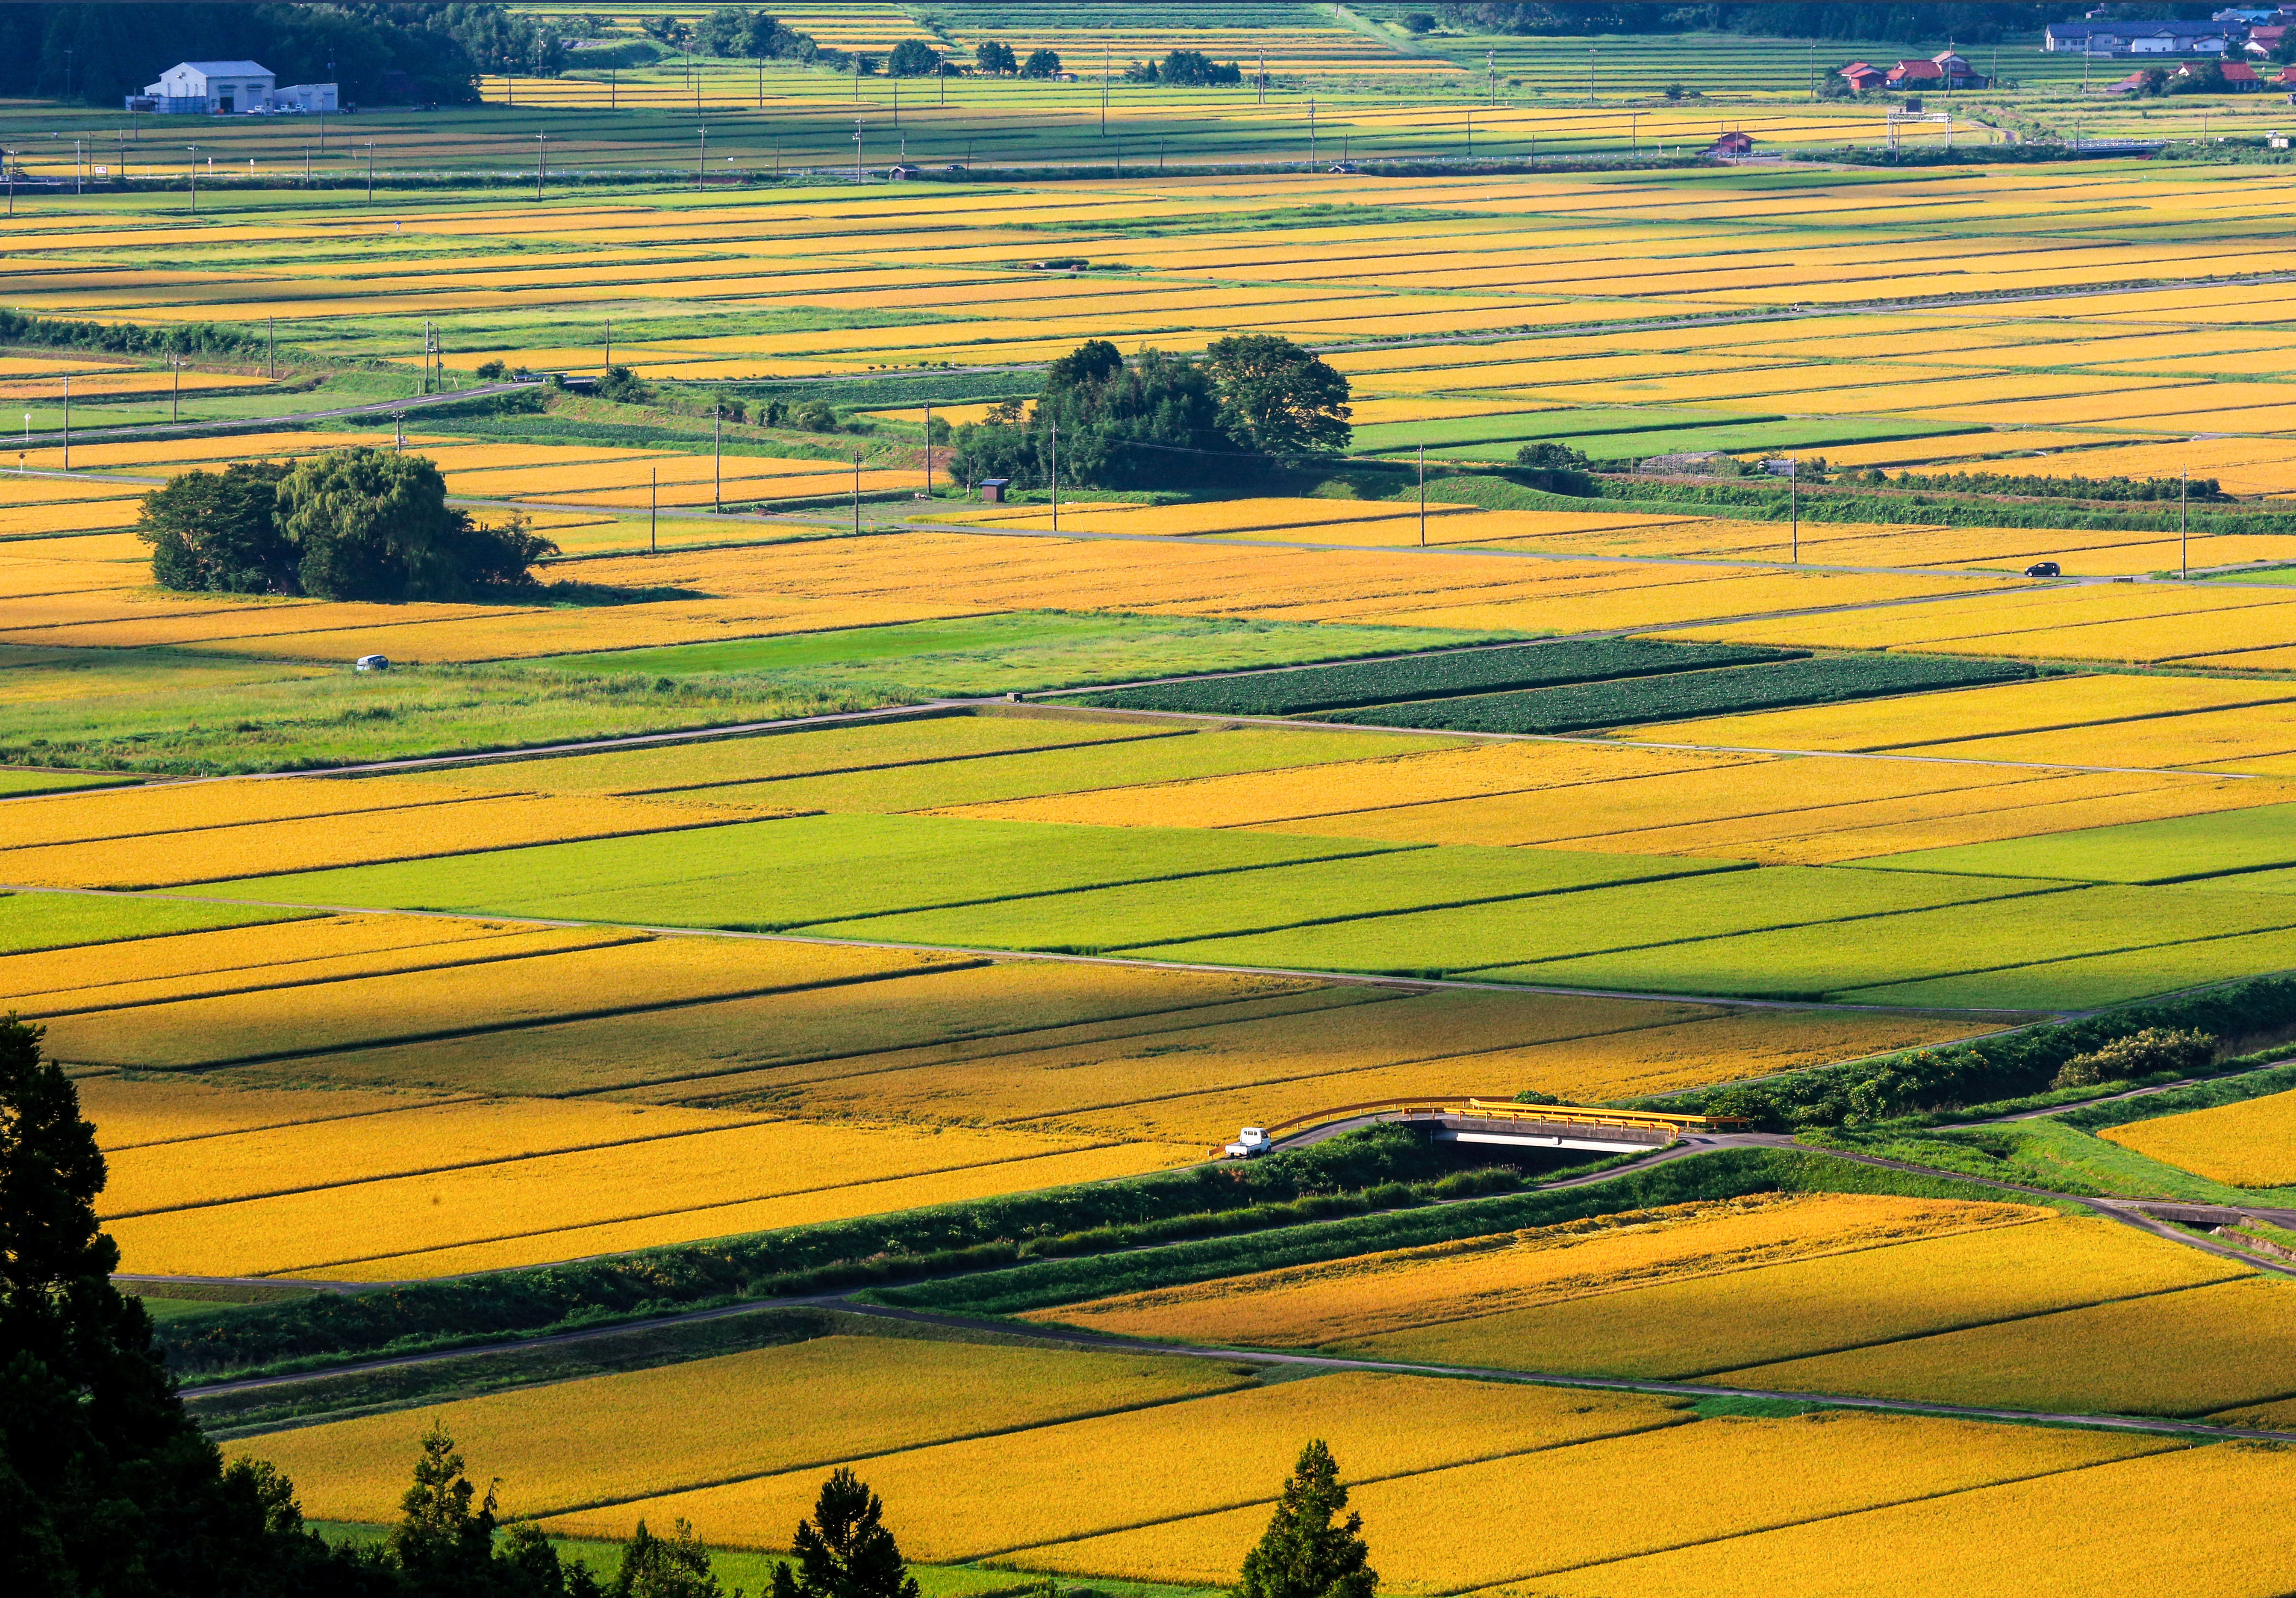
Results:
1506 1109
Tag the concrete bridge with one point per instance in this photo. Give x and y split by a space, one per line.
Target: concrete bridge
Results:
1505 1121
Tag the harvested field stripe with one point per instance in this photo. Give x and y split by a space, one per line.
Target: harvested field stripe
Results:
467 1165
237 1131
1724 1537
700 1209
441 1034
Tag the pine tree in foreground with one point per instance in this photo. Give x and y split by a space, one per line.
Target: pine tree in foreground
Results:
1304 1555
845 1551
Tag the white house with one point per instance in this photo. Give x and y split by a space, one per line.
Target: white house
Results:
223 87
2136 39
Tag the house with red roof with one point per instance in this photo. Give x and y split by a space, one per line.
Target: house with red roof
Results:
1944 70
1862 76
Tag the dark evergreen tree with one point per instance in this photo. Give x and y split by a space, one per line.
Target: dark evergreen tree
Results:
1305 1553
107 1487
845 1551
677 1567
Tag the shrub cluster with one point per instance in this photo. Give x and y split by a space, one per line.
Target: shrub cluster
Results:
2181 1034
2031 486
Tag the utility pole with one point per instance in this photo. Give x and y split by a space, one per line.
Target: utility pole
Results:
1311 132
609 343
717 458
857 490
857 149
1471 133
2184 535
1793 503
540 160
701 160
1423 496
78 163
192 159
271 346
176 396
1106 66
928 448
1491 69
67 423
1590 74
654 509
614 89
1056 477
370 171
1263 75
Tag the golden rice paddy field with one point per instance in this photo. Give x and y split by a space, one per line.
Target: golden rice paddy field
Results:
2245 1145
1142 1468
403 1025
1747 1293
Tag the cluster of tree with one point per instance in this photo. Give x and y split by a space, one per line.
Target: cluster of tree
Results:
110 1486
1158 420
2173 1034
729 30
1191 69
356 523
994 60
97 52
1557 468
1917 21
2026 486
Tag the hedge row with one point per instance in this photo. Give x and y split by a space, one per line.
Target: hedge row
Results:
189 338
332 1328
1428 676
1989 1069
1713 693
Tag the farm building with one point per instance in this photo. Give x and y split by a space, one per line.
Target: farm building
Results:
1861 76
2137 38
1732 143
203 87
1943 70
2264 41
2239 77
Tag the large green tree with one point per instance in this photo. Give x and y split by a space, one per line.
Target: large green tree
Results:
375 524
843 1551
1278 398
217 531
1151 423
1308 1552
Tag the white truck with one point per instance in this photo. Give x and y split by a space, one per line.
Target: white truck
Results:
1251 1141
